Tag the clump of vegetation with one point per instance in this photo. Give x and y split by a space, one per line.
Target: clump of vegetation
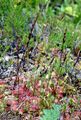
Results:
40 59
52 114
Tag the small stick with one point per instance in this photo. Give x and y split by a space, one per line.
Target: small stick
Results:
30 34
77 58
63 41
29 37
64 38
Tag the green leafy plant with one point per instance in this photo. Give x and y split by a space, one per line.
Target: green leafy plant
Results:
52 114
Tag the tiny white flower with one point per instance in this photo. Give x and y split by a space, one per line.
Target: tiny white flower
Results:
7 58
